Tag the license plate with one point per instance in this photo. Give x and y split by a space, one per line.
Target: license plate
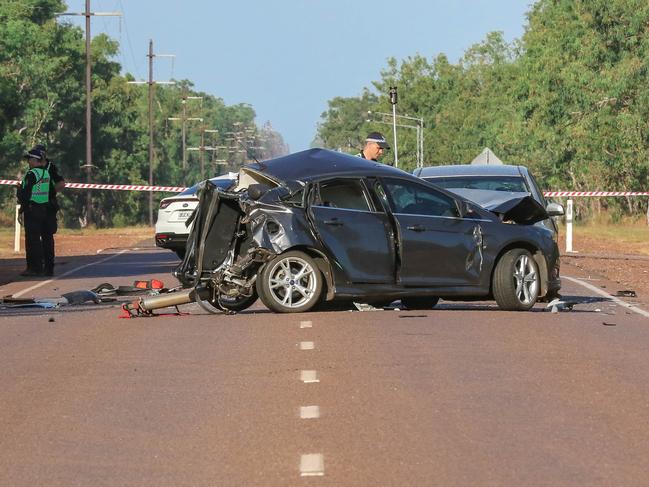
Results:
184 215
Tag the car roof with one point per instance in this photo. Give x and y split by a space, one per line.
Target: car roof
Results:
470 170
316 164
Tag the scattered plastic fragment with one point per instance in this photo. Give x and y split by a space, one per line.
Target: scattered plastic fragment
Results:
557 305
608 324
366 307
80 297
626 293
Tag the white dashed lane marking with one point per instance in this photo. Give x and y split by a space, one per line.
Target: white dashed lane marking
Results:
312 465
309 412
309 376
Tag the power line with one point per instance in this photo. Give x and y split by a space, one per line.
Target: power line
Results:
130 45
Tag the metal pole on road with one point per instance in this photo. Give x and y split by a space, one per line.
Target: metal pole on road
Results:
569 227
17 234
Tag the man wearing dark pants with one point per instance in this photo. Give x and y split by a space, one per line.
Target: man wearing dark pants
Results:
34 196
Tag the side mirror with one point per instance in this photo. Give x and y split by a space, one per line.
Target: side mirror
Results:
554 209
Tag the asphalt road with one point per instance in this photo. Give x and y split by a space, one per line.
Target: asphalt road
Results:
460 395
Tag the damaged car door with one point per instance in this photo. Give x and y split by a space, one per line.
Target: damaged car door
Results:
438 247
356 234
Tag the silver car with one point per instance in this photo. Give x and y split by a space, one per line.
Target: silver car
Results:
489 184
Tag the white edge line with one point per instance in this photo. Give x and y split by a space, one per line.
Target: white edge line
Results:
71 271
597 290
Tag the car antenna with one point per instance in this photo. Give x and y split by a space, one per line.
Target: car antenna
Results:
248 151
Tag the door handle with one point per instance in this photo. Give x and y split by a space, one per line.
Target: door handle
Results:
333 222
416 228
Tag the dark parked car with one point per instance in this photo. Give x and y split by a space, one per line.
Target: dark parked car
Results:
490 185
321 226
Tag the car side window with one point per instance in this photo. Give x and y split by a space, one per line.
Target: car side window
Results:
342 193
411 198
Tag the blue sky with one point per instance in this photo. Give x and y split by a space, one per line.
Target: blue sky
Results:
287 58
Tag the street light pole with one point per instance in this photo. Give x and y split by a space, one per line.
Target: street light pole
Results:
393 101
419 127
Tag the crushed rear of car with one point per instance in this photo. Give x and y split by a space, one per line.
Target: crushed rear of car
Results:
171 230
321 226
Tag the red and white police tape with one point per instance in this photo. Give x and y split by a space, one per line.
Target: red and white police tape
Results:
595 193
120 187
178 189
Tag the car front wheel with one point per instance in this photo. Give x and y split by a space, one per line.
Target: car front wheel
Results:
290 283
516 281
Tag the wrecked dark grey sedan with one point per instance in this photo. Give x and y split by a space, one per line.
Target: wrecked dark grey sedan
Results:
320 226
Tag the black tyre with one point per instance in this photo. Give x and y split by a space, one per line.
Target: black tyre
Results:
237 304
290 283
516 281
180 253
420 302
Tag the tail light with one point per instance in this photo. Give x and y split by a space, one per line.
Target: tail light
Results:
164 204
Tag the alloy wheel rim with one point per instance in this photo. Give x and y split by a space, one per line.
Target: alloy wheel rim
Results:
292 282
526 280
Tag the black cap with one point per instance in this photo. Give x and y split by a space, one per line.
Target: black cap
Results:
378 138
41 148
35 153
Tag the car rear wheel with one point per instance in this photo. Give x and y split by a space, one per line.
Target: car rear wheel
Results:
290 283
516 281
420 302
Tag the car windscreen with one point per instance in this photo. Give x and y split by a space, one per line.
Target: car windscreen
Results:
491 183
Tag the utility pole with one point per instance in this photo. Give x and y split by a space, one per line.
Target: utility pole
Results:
202 148
184 119
89 165
151 82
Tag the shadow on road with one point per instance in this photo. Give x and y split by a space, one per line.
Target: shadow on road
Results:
138 263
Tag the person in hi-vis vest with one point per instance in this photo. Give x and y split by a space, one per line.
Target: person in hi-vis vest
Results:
34 196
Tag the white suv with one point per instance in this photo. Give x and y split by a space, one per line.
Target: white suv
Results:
171 231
